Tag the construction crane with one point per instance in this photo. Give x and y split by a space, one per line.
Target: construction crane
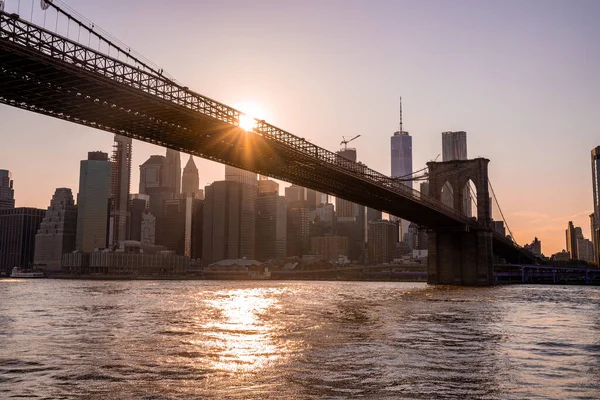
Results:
345 142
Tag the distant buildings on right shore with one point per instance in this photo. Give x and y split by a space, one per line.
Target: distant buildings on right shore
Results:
577 247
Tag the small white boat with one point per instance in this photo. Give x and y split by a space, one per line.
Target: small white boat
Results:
22 273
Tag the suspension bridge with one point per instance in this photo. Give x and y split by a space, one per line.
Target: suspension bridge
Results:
66 67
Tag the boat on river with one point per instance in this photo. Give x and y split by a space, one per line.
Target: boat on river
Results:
26 273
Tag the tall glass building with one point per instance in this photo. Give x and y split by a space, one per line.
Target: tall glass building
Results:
56 235
7 193
120 184
401 145
596 194
454 146
93 202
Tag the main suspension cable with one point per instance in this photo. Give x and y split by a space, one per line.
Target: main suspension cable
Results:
501 213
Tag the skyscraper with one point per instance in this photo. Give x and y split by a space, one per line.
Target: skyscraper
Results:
178 226
121 177
93 202
401 145
173 172
572 235
173 230
152 173
271 218
18 227
138 206
454 147
191 181
56 235
153 178
7 193
401 157
382 241
239 175
345 208
266 185
596 196
228 221
298 230
295 196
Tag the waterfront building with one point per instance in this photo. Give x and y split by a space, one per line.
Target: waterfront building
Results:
190 185
7 192
93 202
595 218
131 260
120 185
329 247
382 241
18 227
229 220
56 235
271 223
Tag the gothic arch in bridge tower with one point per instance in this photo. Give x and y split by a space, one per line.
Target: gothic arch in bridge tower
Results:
469 201
447 194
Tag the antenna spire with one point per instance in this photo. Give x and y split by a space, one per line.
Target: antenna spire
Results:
401 115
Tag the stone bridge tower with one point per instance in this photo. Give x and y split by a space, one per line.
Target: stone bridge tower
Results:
461 256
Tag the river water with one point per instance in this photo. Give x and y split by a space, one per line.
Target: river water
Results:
284 340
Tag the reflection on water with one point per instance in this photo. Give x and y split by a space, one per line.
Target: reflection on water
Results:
163 340
238 334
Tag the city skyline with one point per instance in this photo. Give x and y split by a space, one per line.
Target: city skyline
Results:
499 107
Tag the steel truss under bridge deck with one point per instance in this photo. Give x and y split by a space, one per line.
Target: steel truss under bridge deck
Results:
46 73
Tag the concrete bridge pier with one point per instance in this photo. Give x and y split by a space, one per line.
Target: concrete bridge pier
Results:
460 258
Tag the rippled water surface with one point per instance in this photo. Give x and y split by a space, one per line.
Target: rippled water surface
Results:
279 340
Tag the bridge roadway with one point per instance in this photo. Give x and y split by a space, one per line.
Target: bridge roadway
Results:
46 73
